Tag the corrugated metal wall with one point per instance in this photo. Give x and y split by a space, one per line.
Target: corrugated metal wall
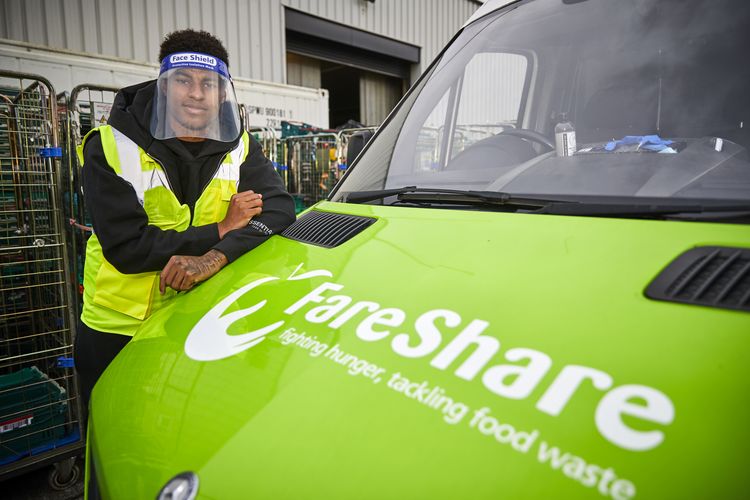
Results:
378 95
302 71
252 30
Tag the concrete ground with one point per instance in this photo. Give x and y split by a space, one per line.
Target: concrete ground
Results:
35 485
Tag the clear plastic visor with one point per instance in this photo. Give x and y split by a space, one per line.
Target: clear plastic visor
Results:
195 103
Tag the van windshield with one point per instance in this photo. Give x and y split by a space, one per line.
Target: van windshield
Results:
563 98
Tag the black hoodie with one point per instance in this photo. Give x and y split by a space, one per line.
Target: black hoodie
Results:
128 241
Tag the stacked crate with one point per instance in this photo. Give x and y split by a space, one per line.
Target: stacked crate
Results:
38 407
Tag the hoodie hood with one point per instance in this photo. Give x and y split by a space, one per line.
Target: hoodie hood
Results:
131 112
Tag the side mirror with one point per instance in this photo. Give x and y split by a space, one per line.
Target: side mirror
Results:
356 144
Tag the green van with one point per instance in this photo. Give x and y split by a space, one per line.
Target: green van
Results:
534 282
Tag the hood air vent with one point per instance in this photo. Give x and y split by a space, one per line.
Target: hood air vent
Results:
706 276
326 229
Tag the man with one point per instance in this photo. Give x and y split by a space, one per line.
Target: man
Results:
176 189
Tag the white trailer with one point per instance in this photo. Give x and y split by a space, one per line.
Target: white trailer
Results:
266 103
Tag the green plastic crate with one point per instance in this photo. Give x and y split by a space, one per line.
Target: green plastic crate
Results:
32 411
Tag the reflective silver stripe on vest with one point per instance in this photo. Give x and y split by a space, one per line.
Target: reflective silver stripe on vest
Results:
132 171
130 164
231 171
238 153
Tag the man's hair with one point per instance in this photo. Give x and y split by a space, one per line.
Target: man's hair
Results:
193 41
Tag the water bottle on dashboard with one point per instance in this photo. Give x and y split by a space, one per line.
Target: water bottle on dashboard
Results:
565 136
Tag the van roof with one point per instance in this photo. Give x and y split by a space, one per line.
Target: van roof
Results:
489 6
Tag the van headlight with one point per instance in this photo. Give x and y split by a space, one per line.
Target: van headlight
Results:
183 486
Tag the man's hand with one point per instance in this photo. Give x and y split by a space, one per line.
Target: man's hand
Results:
182 272
242 208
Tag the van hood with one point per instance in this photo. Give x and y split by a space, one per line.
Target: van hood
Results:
437 353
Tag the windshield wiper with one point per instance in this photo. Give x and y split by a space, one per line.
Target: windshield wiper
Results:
636 209
378 194
449 196
552 206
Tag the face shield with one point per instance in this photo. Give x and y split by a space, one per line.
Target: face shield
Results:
195 98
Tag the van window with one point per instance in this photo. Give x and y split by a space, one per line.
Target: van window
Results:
482 114
651 93
431 137
467 113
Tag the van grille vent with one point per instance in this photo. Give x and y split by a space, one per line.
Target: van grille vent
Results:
326 229
707 276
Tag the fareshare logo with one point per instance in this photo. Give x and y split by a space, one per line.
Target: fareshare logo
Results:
627 416
209 340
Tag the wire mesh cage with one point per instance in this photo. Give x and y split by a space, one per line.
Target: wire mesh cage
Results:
312 164
38 395
88 106
268 138
309 161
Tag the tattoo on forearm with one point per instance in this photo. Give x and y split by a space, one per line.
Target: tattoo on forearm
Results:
210 263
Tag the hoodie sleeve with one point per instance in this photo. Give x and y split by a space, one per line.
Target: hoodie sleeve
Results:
120 223
257 173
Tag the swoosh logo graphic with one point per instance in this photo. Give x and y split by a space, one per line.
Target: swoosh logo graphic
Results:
209 340
310 274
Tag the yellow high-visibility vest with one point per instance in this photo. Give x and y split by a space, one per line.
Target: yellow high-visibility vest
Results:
118 303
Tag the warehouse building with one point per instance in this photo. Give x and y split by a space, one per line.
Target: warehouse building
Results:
323 62
319 61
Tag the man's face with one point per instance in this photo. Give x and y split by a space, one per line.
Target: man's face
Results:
193 99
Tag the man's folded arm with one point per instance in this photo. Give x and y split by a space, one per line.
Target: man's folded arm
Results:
257 173
120 223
